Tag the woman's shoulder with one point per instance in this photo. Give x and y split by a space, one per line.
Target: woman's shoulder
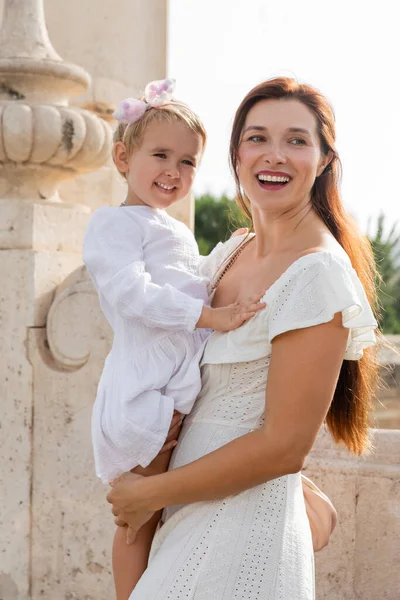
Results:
318 285
320 262
315 278
325 254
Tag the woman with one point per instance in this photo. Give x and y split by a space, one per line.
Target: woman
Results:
235 525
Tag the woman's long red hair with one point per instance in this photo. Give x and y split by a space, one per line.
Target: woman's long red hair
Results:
348 416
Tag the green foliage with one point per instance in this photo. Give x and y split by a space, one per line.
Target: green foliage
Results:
215 220
386 250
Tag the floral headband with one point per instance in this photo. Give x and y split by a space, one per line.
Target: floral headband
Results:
156 94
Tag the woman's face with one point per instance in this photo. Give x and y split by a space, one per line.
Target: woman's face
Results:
279 155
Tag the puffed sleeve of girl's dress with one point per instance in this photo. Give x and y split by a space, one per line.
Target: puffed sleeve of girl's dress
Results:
313 290
113 254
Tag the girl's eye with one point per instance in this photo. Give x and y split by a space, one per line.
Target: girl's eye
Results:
161 155
298 142
188 162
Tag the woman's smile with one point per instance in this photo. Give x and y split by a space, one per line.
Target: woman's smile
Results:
280 150
273 180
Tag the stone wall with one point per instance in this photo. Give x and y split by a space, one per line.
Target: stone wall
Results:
55 527
361 560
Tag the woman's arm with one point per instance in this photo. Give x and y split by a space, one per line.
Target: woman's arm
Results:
305 365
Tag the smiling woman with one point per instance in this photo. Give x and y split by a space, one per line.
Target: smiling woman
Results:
235 524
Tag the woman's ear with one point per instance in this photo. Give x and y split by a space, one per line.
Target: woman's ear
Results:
121 157
326 159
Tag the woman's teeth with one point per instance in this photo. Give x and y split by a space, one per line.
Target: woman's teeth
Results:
273 178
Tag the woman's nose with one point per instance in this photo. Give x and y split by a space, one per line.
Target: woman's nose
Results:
275 155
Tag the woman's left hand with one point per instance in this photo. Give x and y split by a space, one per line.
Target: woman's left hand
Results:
128 500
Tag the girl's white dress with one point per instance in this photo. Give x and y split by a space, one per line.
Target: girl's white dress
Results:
255 545
145 267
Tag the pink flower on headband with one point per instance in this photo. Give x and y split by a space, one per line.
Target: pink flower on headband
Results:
130 110
157 93
160 92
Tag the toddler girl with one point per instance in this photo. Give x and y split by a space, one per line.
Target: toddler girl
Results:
145 267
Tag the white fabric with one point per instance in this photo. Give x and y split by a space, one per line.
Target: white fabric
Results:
311 291
251 546
257 544
145 267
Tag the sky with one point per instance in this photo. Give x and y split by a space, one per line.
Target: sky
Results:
348 49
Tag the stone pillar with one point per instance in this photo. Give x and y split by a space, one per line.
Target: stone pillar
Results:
123 46
43 141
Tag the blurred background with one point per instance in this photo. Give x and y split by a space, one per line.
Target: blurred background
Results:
218 52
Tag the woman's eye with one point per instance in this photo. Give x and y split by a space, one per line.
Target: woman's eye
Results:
297 142
256 139
161 155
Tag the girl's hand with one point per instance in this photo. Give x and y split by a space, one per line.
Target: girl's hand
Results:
173 433
234 315
128 499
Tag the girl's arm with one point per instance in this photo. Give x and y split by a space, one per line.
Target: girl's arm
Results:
113 254
305 365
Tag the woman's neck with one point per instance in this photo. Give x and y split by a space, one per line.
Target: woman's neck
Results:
277 233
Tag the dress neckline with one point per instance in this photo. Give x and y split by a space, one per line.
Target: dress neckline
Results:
292 267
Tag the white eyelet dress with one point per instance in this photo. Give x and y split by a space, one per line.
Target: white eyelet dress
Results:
255 545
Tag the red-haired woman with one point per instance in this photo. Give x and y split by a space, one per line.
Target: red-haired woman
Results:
235 525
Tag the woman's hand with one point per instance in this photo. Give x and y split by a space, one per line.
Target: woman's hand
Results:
128 499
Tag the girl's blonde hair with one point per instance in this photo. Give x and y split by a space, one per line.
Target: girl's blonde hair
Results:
131 134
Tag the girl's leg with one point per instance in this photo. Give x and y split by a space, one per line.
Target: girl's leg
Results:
130 561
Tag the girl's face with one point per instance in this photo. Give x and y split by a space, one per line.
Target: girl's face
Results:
161 170
279 155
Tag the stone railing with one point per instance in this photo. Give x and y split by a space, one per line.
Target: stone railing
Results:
361 560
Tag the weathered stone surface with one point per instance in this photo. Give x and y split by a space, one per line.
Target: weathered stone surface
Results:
360 561
56 527
43 141
42 227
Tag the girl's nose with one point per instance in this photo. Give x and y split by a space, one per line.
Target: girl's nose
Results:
173 172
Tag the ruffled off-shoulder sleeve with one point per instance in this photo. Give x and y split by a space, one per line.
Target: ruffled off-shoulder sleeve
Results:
313 290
